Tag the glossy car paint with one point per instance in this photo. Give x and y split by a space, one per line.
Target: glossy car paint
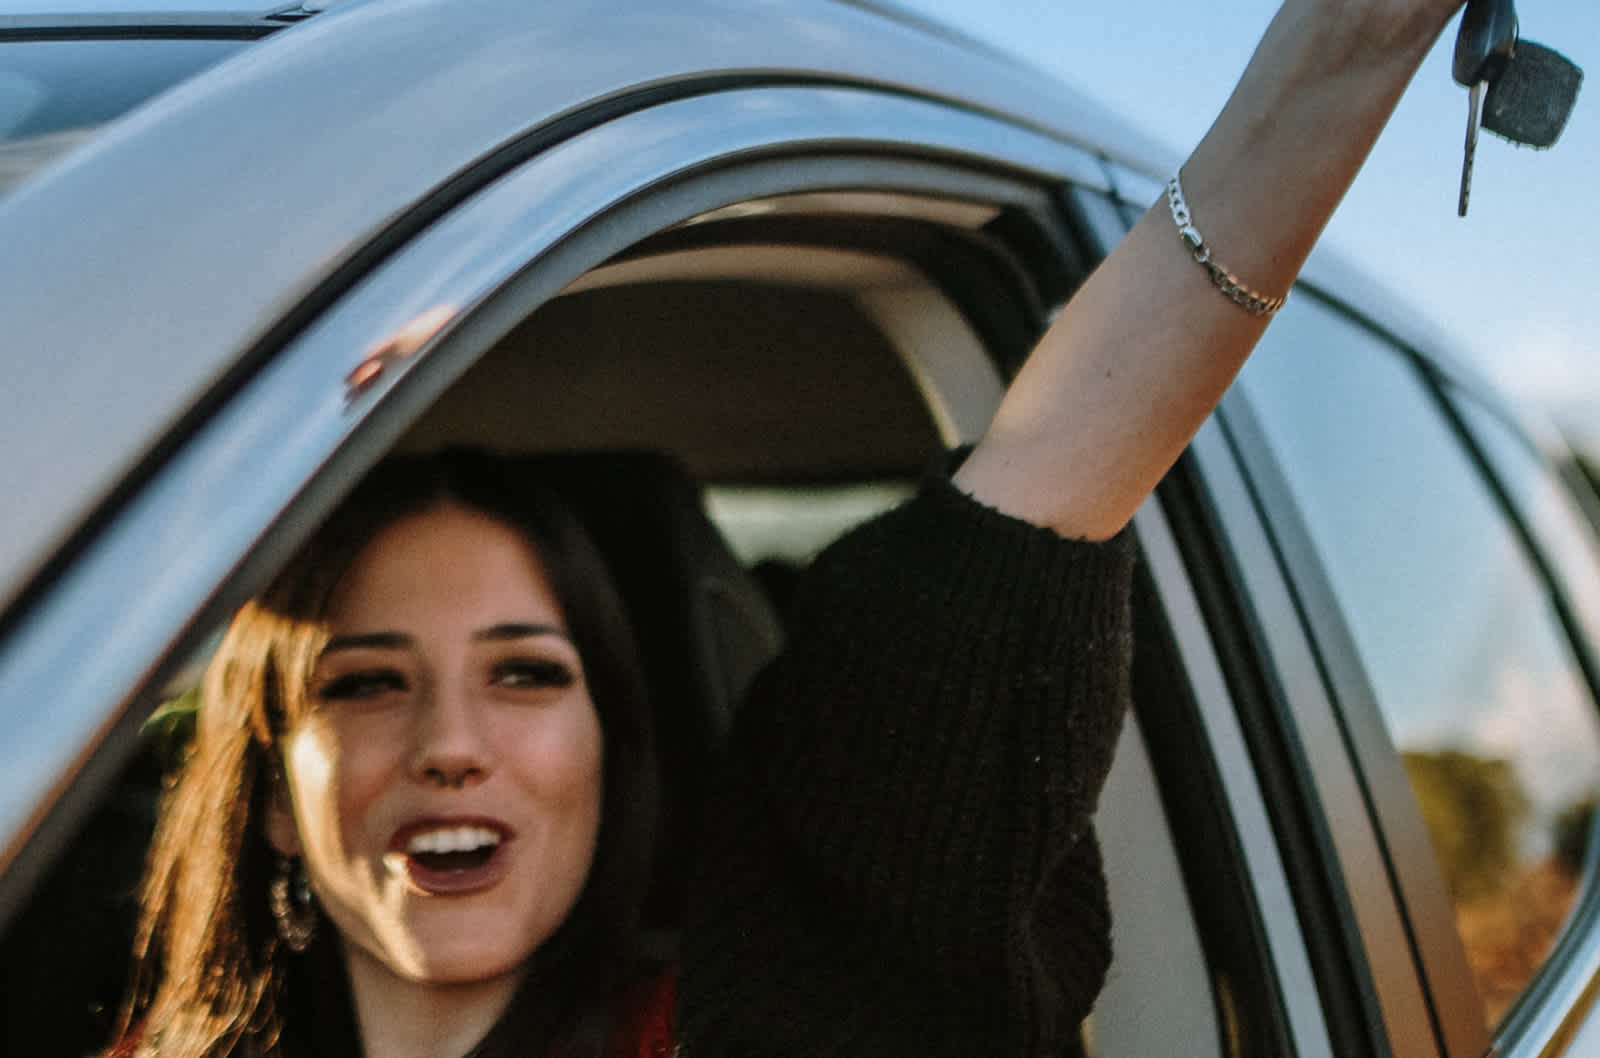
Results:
165 280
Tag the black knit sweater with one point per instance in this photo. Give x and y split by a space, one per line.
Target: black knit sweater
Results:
900 860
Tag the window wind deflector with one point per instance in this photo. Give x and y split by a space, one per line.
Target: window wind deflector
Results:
117 25
304 10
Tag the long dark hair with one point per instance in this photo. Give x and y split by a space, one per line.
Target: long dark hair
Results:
212 979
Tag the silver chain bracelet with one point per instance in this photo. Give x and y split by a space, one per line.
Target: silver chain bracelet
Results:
1253 302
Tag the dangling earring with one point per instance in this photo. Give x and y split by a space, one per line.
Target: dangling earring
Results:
290 900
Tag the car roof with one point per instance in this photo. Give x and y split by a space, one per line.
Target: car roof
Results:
139 270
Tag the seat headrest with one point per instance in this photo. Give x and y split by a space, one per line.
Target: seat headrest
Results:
704 625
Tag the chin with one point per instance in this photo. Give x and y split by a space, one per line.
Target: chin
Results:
459 964
470 952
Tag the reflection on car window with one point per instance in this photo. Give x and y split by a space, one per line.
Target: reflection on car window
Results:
1462 643
54 93
1556 519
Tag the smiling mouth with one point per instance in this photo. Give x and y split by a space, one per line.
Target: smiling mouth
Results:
453 848
447 860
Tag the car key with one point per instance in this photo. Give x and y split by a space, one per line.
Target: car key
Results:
1531 96
1484 44
1519 90
1469 155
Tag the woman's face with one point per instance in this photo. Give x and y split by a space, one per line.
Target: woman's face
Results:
445 778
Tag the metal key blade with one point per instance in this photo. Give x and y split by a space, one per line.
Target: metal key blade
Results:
1474 120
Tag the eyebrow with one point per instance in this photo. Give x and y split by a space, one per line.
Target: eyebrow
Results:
495 633
399 640
370 641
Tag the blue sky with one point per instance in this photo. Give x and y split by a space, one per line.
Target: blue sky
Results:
1517 282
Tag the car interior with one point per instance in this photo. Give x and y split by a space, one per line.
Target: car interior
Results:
717 402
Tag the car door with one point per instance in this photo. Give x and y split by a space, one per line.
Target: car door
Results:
801 281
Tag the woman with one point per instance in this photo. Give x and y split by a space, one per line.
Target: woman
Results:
429 862
438 720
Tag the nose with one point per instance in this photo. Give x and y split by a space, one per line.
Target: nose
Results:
449 750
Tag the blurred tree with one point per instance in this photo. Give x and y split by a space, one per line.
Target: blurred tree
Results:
1473 807
1571 831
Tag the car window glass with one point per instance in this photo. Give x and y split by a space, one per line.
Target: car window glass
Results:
1558 523
1462 644
53 93
791 524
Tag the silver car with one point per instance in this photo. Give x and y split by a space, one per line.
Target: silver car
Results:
798 245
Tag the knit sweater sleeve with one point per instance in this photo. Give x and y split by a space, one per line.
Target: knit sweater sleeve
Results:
899 859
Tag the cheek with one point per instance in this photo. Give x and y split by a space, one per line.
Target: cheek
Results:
334 774
561 755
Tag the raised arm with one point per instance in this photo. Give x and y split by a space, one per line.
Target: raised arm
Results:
1143 352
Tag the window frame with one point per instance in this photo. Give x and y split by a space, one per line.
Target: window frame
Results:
1211 785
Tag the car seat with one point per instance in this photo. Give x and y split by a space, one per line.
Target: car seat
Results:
704 625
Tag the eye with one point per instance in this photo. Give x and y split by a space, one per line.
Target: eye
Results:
533 672
363 684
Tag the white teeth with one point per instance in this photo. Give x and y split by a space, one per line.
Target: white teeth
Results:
453 839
